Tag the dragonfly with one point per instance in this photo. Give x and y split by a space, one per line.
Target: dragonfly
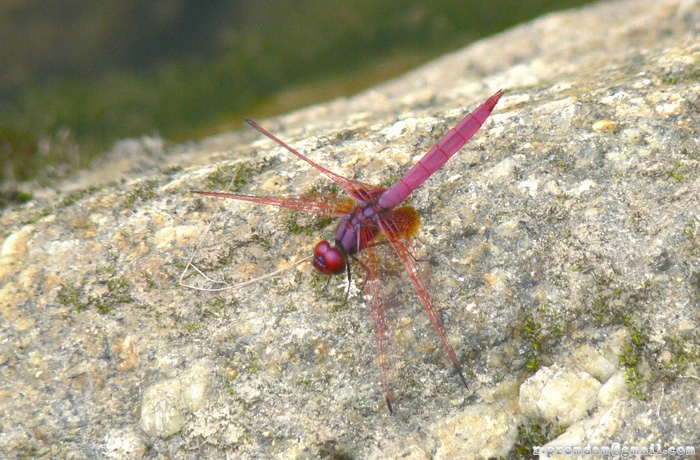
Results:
371 216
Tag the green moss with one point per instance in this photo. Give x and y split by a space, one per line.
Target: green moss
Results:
289 308
292 225
231 377
694 73
532 331
694 280
217 303
562 166
172 170
541 329
69 296
119 288
531 434
109 270
44 212
684 351
532 364
610 303
617 305
78 195
613 304
151 284
338 305
118 291
233 177
326 188
228 253
230 177
678 172
635 383
672 80
263 239
252 365
330 450
689 230
13 197
143 191
631 360
298 223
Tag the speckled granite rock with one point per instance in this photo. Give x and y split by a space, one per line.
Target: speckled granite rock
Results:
565 236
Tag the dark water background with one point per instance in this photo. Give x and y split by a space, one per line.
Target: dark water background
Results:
78 75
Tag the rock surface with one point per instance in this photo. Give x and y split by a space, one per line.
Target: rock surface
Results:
565 236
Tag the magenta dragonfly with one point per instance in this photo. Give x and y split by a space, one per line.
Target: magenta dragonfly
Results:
371 217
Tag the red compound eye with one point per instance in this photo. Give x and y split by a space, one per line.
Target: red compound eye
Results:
328 260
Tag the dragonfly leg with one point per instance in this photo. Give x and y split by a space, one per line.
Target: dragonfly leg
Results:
349 272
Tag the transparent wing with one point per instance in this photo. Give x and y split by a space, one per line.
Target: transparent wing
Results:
354 188
401 249
375 306
239 249
322 204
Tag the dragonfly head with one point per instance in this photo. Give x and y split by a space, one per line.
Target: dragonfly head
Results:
328 260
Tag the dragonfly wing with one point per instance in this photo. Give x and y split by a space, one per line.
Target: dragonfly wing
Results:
250 248
354 188
373 299
401 249
324 204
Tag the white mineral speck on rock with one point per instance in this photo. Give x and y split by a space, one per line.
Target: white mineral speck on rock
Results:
160 412
164 404
595 362
559 396
615 389
483 428
177 235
